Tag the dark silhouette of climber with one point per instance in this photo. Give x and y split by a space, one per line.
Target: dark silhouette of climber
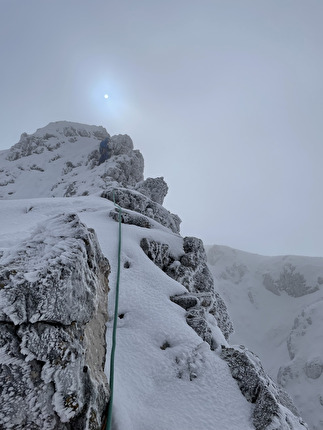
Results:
105 151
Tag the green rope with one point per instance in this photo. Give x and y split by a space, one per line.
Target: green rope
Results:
115 320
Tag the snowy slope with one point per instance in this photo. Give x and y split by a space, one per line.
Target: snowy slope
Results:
61 159
276 304
149 394
174 367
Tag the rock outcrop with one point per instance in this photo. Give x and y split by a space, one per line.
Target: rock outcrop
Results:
53 301
154 188
135 201
273 407
201 302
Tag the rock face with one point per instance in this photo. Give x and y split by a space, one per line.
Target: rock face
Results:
273 407
154 188
201 302
53 301
135 201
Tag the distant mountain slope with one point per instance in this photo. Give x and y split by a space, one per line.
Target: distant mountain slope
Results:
276 304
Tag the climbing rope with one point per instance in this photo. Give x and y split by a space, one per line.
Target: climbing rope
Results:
115 321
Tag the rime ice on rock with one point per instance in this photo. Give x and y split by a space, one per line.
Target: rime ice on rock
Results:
273 407
135 201
154 188
191 270
53 301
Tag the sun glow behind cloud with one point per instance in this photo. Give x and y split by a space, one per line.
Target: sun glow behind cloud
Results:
108 102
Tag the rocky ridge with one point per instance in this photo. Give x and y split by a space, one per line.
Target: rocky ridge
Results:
63 160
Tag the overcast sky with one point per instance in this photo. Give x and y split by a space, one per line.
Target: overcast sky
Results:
223 99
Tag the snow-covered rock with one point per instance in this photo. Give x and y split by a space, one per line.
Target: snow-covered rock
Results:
154 188
135 201
203 305
53 310
273 407
62 159
171 371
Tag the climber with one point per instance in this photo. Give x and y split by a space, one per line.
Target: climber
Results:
105 151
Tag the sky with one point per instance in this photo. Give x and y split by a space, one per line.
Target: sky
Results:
223 99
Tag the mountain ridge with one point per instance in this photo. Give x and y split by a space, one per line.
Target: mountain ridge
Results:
173 355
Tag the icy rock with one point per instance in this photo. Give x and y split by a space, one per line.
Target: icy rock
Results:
135 201
121 144
53 301
273 407
154 188
190 269
126 165
131 218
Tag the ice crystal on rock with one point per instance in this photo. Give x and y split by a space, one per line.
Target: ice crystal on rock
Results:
53 301
272 405
154 188
190 269
135 201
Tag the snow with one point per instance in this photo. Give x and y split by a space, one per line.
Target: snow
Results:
166 377
184 386
265 322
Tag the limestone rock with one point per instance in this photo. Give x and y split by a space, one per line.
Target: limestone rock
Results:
126 165
154 188
131 218
53 301
273 407
190 269
135 201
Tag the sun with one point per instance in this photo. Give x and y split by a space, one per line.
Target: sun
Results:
106 96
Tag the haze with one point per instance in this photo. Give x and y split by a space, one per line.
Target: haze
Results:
223 99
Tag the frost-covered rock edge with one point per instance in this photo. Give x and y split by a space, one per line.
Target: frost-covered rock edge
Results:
133 200
53 302
201 302
273 409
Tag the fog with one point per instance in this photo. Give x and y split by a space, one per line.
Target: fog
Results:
223 99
